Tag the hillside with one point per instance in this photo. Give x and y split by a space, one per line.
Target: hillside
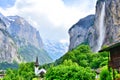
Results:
25 40
83 56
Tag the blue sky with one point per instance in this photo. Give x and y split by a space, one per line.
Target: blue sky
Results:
71 2
52 18
7 3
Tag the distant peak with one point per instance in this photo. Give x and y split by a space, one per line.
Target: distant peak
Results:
1 14
15 17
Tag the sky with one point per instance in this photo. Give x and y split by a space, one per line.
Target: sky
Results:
52 18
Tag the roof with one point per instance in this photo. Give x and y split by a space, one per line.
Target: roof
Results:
110 47
42 70
36 63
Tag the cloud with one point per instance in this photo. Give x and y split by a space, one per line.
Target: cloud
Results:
52 18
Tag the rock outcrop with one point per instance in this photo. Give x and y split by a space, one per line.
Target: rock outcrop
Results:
111 24
23 33
27 39
112 21
8 49
81 31
20 40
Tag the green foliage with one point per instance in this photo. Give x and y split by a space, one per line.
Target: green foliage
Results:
80 55
34 79
69 71
78 60
24 72
117 76
99 60
105 74
74 65
83 56
69 63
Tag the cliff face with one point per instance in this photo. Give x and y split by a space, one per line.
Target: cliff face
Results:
23 33
20 39
111 24
8 49
27 39
112 21
81 31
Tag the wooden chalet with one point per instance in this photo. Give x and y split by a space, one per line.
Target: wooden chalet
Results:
114 56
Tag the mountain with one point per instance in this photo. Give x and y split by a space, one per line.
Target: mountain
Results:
55 49
112 20
8 49
26 38
80 32
23 33
111 23
105 25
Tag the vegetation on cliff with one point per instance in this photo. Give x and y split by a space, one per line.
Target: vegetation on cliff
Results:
83 56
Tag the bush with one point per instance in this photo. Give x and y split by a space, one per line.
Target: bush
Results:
105 74
71 71
24 72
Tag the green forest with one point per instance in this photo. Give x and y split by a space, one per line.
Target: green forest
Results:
78 64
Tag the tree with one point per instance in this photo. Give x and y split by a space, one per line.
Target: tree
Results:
69 70
105 74
99 60
24 72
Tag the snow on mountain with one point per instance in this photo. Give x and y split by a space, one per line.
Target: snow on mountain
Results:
55 49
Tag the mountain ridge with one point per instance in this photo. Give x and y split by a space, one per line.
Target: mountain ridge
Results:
27 40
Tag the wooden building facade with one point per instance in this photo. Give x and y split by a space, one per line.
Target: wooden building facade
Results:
114 56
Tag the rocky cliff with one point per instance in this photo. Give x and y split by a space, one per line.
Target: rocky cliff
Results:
111 24
8 49
23 33
112 21
80 32
27 41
